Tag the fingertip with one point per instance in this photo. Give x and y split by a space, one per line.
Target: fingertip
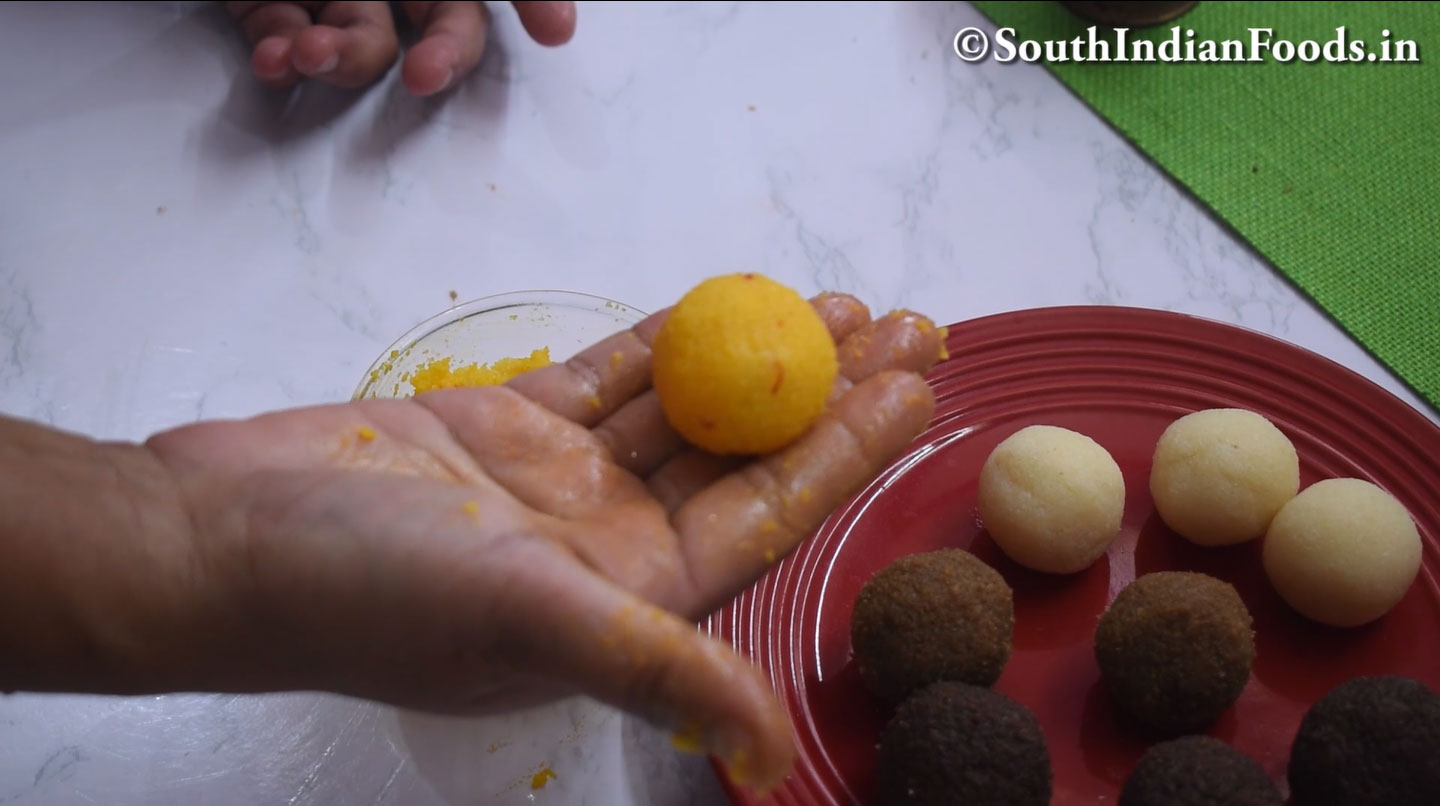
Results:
930 347
752 736
761 762
431 66
842 314
550 24
452 42
270 29
901 339
270 61
317 50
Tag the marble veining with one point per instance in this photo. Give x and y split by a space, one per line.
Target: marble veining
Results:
177 243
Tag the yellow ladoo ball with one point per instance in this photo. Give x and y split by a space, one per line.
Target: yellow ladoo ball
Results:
743 365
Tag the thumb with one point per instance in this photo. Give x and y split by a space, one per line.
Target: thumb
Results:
605 642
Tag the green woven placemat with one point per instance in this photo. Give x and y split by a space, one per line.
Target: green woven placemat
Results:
1330 170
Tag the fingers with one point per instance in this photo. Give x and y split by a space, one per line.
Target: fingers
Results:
599 379
735 528
603 378
900 340
688 473
556 467
270 29
638 436
637 433
452 39
548 23
621 650
353 45
548 463
841 313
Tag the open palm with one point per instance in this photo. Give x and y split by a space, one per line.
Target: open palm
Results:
477 549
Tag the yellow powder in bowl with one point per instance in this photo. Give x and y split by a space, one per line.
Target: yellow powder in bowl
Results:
438 374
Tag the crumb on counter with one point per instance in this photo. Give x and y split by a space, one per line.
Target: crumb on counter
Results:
438 374
543 777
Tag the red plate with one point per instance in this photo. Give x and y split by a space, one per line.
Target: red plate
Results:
1119 375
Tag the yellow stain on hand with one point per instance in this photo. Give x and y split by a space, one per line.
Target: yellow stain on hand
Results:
366 433
471 508
689 740
804 494
738 765
769 555
616 357
543 777
769 526
595 401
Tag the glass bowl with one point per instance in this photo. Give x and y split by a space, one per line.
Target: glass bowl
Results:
488 329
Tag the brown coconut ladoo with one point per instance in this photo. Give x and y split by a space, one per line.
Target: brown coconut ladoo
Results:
1198 771
940 615
1372 741
953 744
1175 650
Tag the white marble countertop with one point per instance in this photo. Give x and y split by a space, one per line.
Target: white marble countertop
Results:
177 243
